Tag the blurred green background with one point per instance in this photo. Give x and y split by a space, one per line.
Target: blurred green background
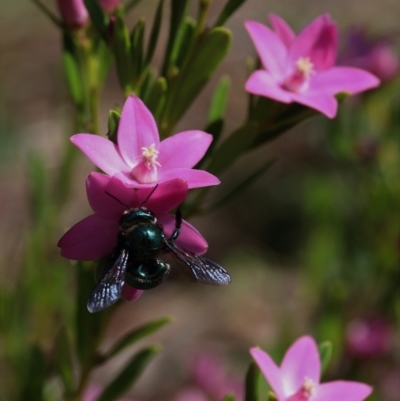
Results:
313 246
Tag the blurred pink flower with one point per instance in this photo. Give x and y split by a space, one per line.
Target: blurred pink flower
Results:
140 159
96 235
298 377
73 13
368 337
93 391
377 55
109 5
301 68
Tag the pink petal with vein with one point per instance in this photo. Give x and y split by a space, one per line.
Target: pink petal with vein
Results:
131 294
342 390
101 152
183 150
320 101
270 48
194 178
137 129
282 29
319 41
300 361
189 238
344 79
270 371
89 239
264 84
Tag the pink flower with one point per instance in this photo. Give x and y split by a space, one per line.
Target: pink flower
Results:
73 13
96 235
301 68
298 377
140 159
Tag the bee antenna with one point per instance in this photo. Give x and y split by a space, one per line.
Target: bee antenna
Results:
149 195
112 196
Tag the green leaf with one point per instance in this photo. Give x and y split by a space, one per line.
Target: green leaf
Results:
113 121
73 78
157 97
236 144
230 7
251 384
63 360
155 31
243 185
138 334
184 41
122 52
98 17
179 9
34 378
195 74
229 397
128 375
272 397
104 60
137 46
325 354
219 100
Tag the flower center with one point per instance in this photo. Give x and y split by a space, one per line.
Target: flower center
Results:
145 171
305 392
298 81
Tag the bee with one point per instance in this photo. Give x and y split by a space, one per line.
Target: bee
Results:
136 259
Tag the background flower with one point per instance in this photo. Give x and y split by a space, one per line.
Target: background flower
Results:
301 68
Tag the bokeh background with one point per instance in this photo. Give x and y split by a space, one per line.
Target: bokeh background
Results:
313 246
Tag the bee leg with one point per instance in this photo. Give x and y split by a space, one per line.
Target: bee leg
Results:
178 223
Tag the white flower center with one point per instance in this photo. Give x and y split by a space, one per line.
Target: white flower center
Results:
145 171
150 155
298 81
305 392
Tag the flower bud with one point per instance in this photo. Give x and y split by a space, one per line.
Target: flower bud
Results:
73 13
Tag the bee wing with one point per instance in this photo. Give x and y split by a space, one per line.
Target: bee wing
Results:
108 290
203 269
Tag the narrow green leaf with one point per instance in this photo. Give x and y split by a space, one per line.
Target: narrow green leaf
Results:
230 7
236 144
113 121
105 58
98 17
32 383
138 334
73 78
243 185
219 100
179 9
137 46
155 31
63 360
157 96
251 384
325 354
272 396
184 41
229 397
195 74
128 375
122 52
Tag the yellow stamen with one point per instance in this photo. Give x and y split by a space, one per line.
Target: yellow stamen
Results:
305 66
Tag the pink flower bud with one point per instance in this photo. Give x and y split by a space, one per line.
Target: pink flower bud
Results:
109 5
73 13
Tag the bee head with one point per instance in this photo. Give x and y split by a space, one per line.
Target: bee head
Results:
136 216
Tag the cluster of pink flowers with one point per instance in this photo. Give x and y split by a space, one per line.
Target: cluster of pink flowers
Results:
133 167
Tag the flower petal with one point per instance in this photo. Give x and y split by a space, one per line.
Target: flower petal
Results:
194 178
343 79
270 371
101 152
189 238
282 29
262 83
165 197
183 150
319 42
270 48
131 294
300 361
322 102
343 391
89 239
137 129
